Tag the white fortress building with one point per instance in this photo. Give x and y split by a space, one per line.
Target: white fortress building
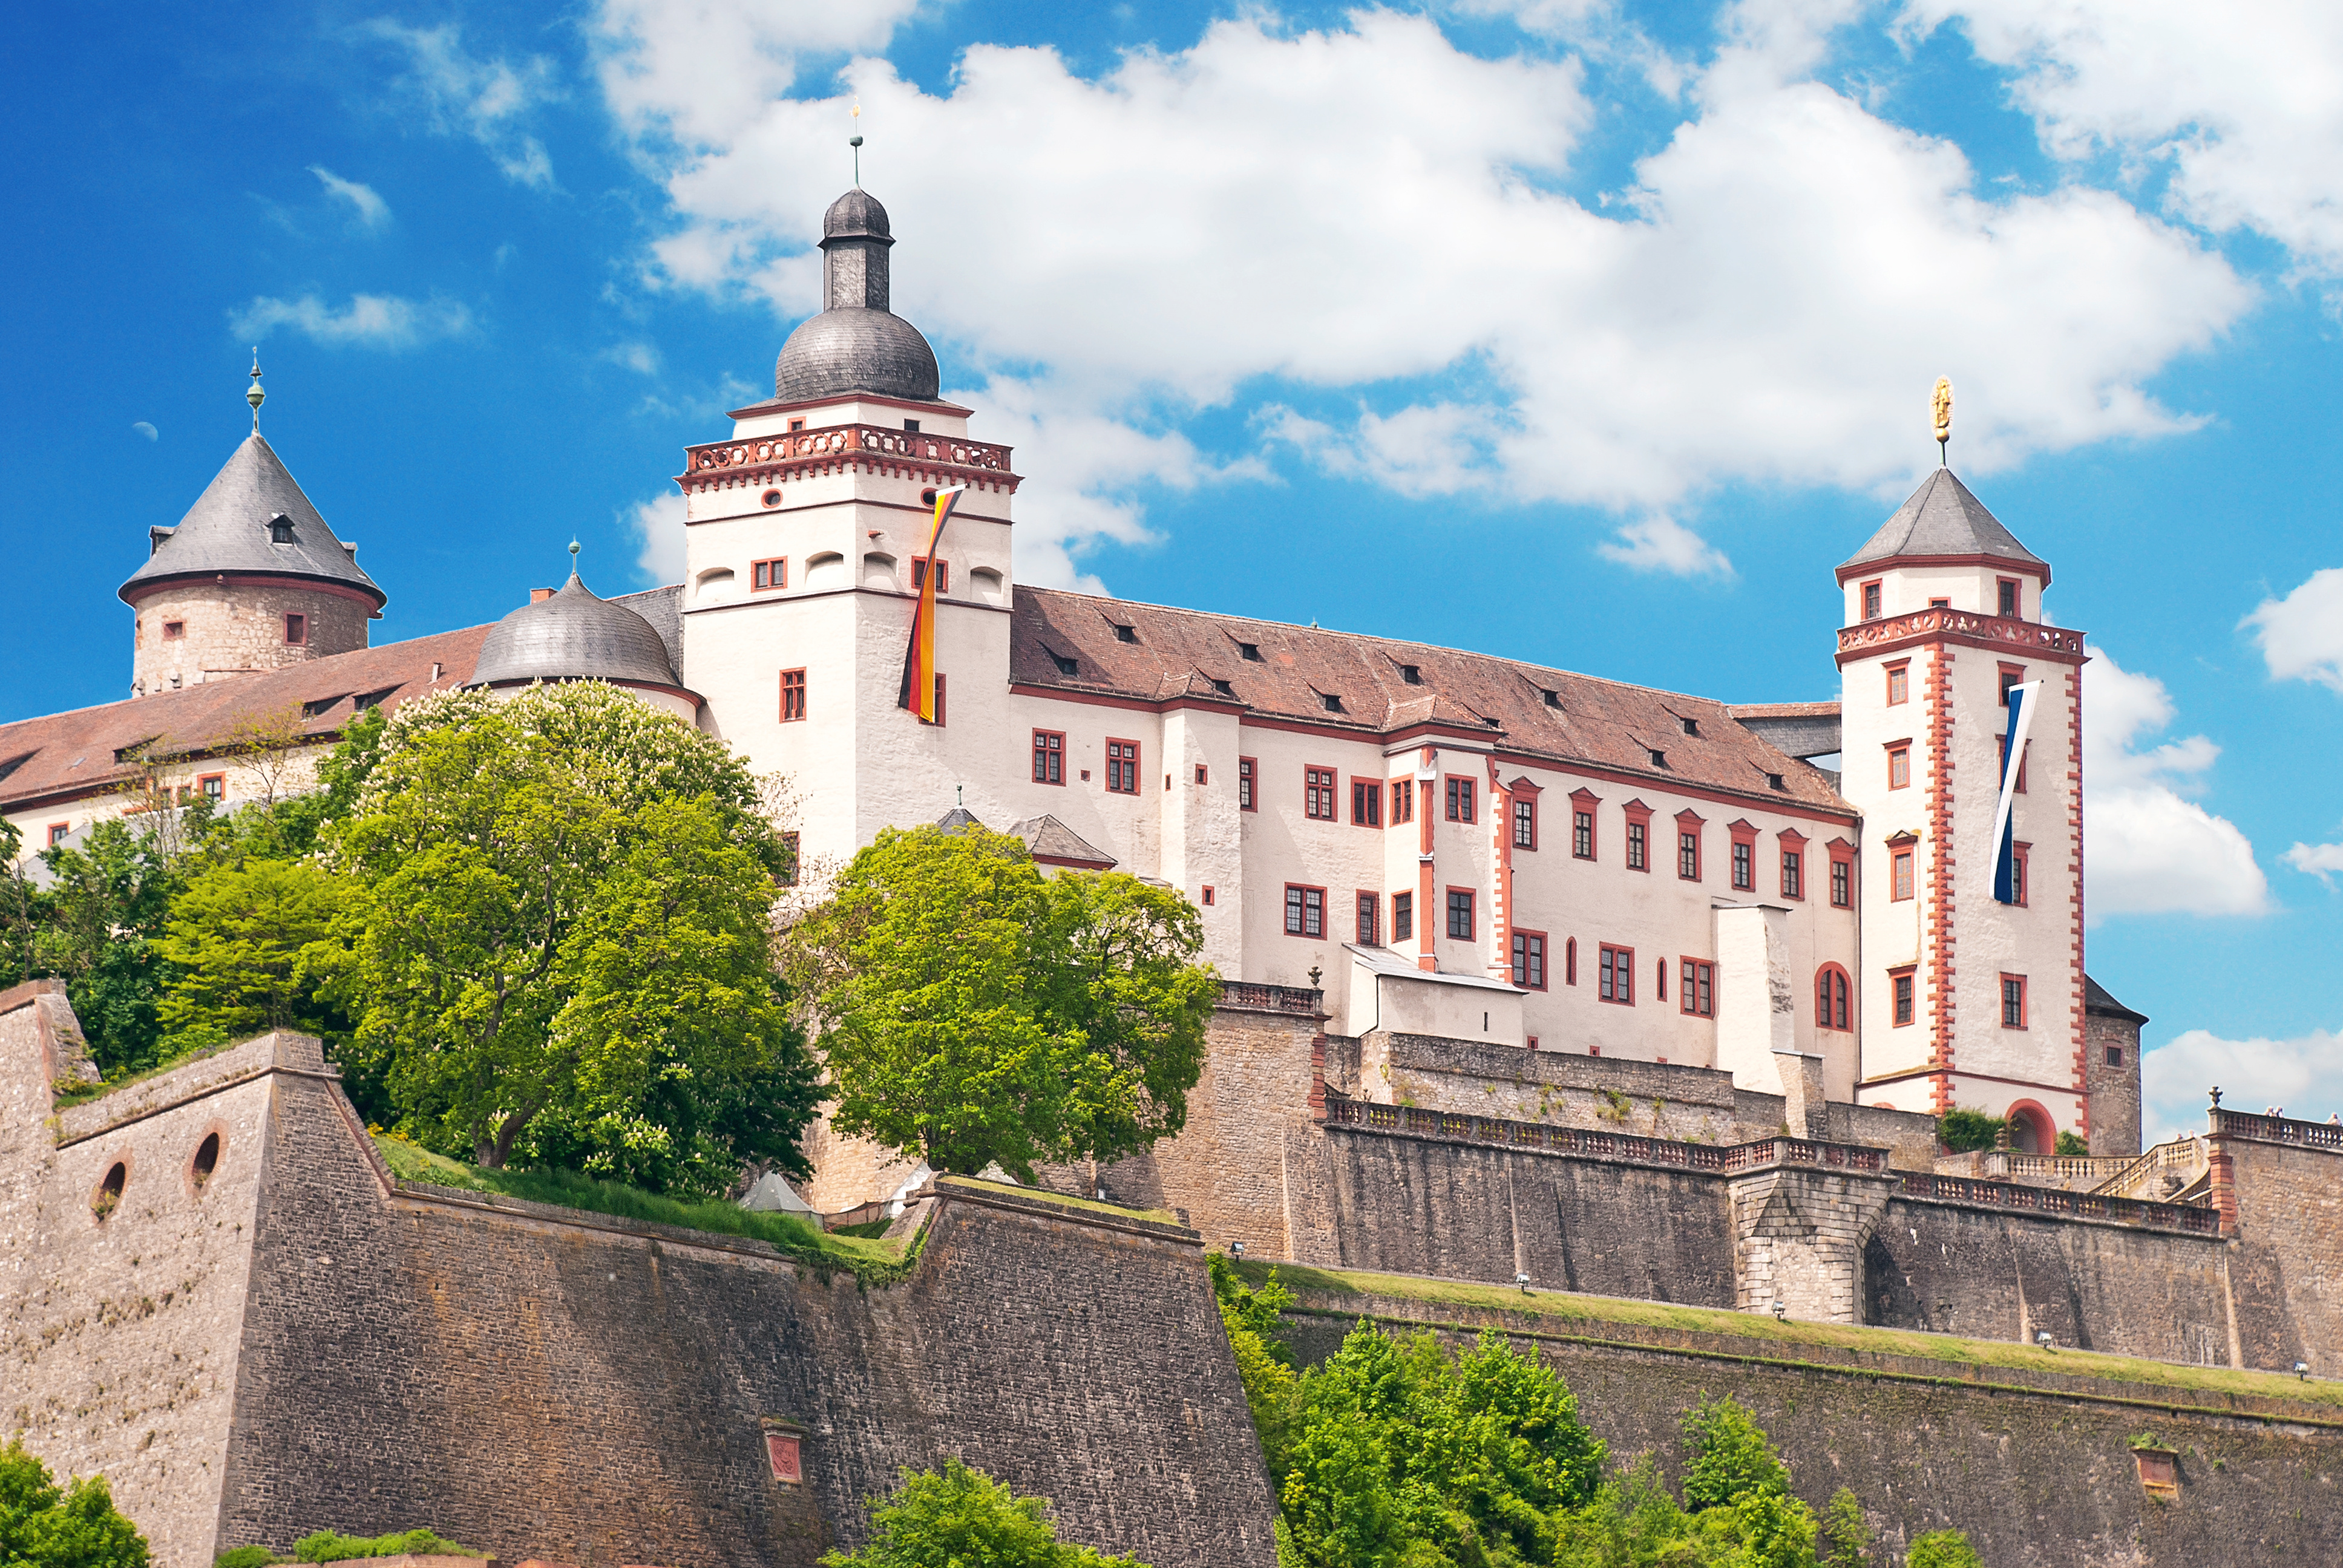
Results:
1445 843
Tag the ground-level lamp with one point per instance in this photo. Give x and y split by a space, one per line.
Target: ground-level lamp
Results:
2302 1370
1236 1251
1780 1311
2041 1338
1524 1282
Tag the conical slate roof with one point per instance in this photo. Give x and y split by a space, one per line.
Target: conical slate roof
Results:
573 636
227 531
1942 519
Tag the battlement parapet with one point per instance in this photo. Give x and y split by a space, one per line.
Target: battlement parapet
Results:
2059 1201
2324 1135
1719 1159
1292 1000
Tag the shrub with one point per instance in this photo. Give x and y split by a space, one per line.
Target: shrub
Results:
1962 1131
247 1557
959 1518
2072 1148
1943 1548
327 1546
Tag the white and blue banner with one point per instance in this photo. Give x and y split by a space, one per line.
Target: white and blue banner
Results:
2021 700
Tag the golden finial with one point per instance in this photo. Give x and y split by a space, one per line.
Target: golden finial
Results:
1940 404
855 141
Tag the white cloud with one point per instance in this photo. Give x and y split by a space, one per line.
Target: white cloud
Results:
2303 1075
368 321
2148 849
658 526
143 428
2320 861
2238 101
369 208
1661 544
643 358
2302 634
1770 302
463 94
698 74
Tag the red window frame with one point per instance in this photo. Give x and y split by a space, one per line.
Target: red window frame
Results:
1468 909
1834 998
1899 765
1461 804
2009 601
1318 788
1248 784
1122 766
1688 826
793 696
1792 845
1696 988
771 574
1582 823
1050 756
938 721
2001 761
296 630
2011 675
1615 975
1303 906
1529 957
1842 875
1402 801
920 575
1570 960
1370 919
1903 879
2013 1001
1525 821
2018 853
1366 802
1208 895
1899 682
1402 917
1903 993
1203 775
1873 595
58 832
173 630
212 786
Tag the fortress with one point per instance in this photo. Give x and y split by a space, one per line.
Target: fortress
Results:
1529 977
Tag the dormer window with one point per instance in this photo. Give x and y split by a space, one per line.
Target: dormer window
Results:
1411 674
280 529
1553 698
1334 703
1692 726
1223 687
1773 781
1659 759
1125 633
1250 652
1065 665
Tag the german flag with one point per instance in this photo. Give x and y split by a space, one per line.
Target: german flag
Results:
918 692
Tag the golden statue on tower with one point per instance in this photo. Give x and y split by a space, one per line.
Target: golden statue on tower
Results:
1940 406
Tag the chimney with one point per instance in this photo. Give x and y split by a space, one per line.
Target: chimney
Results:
539 595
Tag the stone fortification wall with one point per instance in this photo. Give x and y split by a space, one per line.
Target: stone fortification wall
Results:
235 629
2281 1182
305 1344
2036 1467
2114 1086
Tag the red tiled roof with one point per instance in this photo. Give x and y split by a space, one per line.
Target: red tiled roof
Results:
1179 656
1783 710
67 756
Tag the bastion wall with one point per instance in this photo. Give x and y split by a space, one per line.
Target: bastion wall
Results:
308 1344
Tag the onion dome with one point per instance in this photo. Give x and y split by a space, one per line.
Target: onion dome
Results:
252 520
573 636
1943 521
856 344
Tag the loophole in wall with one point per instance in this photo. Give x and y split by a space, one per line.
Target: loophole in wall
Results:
206 1161
109 1191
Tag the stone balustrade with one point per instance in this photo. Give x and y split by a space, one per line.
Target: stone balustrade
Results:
837 443
2058 1201
1246 996
2022 636
1721 1159
2326 1135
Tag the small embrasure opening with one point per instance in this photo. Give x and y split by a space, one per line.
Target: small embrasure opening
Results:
109 1191
206 1161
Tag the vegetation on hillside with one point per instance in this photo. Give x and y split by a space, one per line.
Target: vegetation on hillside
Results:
957 1517
45 1525
974 1010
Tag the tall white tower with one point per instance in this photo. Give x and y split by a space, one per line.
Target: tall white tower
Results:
1965 1001
803 534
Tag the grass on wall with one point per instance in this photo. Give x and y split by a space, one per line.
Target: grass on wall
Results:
1062 1199
869 1258
1590 1316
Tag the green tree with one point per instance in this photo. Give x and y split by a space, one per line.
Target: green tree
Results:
249 945
1964 1131
43 1525
560 909
962 1518
1729 1456
94 927
974 1010
1846 1537
1943 1549
1264 1365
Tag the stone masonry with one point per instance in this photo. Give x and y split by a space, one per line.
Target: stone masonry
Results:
1798 1238
236 628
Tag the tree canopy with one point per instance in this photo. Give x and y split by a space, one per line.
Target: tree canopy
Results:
45 1525
974 1010
961 1518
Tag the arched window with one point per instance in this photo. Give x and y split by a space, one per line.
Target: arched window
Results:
1832 998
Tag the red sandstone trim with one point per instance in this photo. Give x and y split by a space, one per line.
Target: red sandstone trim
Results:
1318 1077
1876 567
1941 1001
2078 1024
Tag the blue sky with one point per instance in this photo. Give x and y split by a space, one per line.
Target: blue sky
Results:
1591 333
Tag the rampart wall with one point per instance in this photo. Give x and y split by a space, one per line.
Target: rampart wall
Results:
2036 1467
306 1344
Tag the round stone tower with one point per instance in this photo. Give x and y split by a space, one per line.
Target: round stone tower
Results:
250 580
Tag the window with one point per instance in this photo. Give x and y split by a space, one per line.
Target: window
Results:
2013 1001
1569 961
1659 981
2018 853
1123 630
2114 1056
796 425
1366 802
939 719
1615 975
911 426
1410 675
793 696
1793 877
1901 875
1403 917
1305 912
1871 601
1582 828
1049 757
58 831
1525 823
1460 914
1831 998
1370 924
765 577
2008 606
943 575
1460 799
1402 791
173 630
297 630
1208 895
1903 982
1697 989
212 786
1743 876
1247 801
1529 960
789 854
1065 665
1122 766
1842 879
1688 854
1940 604
2001 750
1204 776
1250 652
1899 766
1899 683
2011 675
1318 794
1635 847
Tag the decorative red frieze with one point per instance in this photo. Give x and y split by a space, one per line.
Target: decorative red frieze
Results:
2002 632
738 461
1941 1000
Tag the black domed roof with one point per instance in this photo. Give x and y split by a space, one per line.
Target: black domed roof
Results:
856 349
573 636
857 212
